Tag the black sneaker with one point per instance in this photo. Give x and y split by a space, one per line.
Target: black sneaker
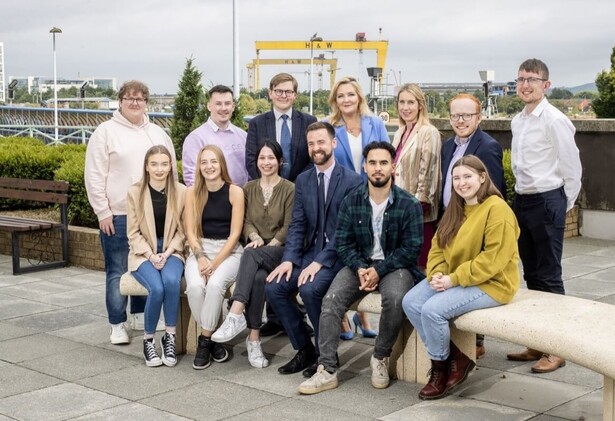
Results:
168 350
202 359
149 353
219 353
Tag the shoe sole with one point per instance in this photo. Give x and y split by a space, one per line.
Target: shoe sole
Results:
323 388
201 367
380 385
120 341
431 398
153 364
223 359
168 362
469 369
548 370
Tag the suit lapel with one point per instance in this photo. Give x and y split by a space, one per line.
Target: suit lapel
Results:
149 218
271 132
473 145
336 177
296 135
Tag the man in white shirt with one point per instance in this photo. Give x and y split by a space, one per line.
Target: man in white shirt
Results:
547 168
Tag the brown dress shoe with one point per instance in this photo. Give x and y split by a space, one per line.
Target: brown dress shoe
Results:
528 355
548 363
436 386
480 351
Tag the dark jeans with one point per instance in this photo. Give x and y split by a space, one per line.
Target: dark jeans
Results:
281 296
255 265
542 219
115 251
342 293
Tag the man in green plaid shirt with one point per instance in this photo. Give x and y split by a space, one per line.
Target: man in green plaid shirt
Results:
378 238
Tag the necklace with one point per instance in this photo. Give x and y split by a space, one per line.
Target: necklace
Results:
268 190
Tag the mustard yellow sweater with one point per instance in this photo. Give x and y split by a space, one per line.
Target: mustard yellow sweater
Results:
484 252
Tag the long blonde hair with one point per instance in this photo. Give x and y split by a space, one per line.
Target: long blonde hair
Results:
454 214
416 91
169 188
336 114
200 187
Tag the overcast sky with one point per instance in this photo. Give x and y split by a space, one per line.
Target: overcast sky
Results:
433 41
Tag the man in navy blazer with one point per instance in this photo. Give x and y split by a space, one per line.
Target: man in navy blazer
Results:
310 261
269 125
470 140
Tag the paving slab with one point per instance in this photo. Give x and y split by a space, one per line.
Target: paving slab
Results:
298 410
571 374
131 411
9 280
35 289
58 402
587 407
55 320
458 409
10 331
34 346
524 392
13 307
72 297
16 380
94 333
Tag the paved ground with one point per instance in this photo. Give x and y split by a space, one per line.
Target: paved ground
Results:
56 363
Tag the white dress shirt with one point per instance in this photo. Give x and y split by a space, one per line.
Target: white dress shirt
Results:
544 154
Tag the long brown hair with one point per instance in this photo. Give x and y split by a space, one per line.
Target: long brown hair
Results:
454 214
169 188
336 114
200 187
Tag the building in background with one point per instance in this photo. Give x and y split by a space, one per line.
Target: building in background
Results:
2 88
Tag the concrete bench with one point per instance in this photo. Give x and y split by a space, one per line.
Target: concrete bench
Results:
576 329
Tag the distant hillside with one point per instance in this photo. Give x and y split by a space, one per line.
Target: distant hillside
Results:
591 87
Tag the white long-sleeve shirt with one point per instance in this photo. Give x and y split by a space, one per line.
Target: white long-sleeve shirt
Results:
544 153
114 161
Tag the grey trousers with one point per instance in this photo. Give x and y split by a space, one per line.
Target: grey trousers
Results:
342 293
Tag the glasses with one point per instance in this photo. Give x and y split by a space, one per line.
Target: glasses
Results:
530 80
464 117
280 92
139 101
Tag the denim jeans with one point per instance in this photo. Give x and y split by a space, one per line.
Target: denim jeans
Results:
429 312
344 291
255 265
205 299
542 220
162 287
115 252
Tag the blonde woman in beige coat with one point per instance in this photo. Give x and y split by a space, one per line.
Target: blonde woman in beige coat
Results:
417 144
156 240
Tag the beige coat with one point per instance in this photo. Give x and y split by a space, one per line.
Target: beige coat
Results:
418 166
142 236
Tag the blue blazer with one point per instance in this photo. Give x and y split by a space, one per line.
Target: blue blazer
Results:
372 130
484 147
303 228
262 127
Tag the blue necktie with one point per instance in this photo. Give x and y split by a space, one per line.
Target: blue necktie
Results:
320 235
285 142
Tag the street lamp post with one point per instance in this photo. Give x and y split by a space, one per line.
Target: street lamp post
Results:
313 38
55 31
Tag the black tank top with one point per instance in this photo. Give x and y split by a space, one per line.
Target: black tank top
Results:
216 219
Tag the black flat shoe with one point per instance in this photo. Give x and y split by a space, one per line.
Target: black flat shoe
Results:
302 359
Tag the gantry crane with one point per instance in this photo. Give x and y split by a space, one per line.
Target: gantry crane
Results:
359 44
252 86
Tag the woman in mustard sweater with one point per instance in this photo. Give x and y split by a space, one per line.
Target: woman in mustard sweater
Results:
473 264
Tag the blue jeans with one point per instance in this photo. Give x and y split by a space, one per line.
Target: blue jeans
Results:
429 312
115 252
162 286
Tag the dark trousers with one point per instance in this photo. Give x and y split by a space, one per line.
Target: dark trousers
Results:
281 296
342 293
255 265
542 219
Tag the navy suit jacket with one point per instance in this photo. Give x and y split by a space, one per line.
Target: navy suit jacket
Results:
303 228
262 127
484 147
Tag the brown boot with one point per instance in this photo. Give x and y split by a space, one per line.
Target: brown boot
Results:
436 387
460 367
528 355
480 351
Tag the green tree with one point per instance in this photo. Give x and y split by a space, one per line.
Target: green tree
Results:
560 93
588 95
189 112
604 105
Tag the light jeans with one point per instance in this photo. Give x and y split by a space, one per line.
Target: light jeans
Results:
429 312
205 300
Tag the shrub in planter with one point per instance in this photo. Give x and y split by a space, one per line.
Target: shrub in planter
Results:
509 177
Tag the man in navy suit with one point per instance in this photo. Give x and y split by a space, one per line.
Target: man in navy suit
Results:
310 261
470 140
273 125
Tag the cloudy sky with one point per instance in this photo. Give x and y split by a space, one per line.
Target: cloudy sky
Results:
434 41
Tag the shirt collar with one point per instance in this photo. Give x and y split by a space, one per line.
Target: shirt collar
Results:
215 127
458 141
327 172
539 108
278 114
391 198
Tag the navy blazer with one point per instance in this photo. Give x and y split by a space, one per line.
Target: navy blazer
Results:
262 127
303 227
484 147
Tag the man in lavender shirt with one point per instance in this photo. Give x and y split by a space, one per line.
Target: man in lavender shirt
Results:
218 130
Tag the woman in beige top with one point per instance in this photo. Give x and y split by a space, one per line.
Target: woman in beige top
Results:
417 143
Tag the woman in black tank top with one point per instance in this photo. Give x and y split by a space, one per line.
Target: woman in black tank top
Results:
213 218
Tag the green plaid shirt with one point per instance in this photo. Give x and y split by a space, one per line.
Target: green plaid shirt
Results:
401 238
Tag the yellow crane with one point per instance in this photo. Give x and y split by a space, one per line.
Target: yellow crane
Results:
253 87
359 44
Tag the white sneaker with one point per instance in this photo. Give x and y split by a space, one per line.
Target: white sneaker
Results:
255 354
319 382
380 372
119 334
137 322
232 326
